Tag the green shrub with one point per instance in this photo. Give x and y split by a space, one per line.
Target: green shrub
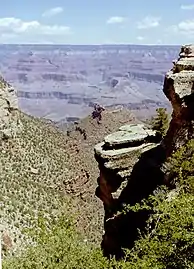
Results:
181 166
169 241
60 247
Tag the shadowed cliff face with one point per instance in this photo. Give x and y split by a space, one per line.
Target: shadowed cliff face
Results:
132 163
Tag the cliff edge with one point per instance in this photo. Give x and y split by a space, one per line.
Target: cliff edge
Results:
131 161
179 89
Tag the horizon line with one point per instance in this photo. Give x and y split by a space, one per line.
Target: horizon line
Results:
103 44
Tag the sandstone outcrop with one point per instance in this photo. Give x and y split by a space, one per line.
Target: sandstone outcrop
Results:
132 161
126 159
9 117
117 155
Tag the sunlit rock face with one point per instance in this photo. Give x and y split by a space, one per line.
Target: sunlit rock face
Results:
9 115
179 89
117 155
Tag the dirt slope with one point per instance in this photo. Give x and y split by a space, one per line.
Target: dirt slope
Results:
46 172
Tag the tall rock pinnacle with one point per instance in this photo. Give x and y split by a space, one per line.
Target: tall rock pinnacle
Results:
179 89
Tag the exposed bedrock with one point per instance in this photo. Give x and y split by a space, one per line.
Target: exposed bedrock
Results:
126 158
179 89
9 115
131 161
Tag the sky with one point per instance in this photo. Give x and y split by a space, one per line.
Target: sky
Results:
97 21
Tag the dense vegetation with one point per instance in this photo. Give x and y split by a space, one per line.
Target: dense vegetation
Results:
36 180
167 244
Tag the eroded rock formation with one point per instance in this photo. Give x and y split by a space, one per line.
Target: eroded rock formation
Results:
117 155
131 162
179 89
126 159
9 117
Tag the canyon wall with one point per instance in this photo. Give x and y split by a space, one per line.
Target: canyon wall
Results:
131 161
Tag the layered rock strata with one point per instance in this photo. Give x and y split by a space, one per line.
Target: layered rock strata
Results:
133 157
117 155
125 159
9 115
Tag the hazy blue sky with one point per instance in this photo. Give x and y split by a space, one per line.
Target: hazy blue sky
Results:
97 21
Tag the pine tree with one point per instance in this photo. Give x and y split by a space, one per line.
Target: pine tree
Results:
160 123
